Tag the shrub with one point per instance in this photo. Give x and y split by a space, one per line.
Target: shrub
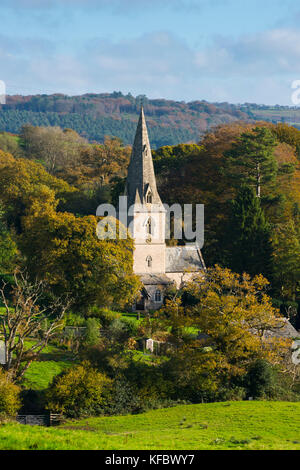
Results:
92 332
80 391
131 326
105 316
73 319
124 398
10 401
119 330
128 399
259 380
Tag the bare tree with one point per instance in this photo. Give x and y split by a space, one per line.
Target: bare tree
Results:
25 320
57 148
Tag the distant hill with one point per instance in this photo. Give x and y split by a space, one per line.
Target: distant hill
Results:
115 114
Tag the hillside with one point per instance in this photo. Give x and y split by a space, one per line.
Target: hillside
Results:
94 116
211 426
115 114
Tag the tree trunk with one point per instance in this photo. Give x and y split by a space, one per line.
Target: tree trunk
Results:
258 180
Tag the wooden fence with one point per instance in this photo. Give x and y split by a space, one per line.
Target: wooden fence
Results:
49 419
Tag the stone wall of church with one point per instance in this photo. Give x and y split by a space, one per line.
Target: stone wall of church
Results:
140 229
149 258
152 303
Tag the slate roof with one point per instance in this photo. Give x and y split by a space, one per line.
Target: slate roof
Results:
181 258
153 279
286 331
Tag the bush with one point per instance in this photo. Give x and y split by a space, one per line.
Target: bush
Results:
10 401
73 319
92 332
105 316
260 379
131 326
124 398
120 330
80 391
128 399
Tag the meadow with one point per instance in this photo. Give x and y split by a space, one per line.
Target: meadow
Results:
210 426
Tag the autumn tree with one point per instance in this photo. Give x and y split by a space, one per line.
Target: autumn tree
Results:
8 246
21 181
80 391
54 147
66 251
232 312
10 401
105 161
287 134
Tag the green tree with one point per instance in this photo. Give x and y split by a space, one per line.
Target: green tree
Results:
260 379
92 332
248 237
251 159
286 260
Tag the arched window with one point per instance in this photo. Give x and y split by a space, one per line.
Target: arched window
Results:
149 198
149 226
157 296
149 261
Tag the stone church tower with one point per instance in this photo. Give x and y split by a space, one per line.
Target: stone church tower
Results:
157 265
147 216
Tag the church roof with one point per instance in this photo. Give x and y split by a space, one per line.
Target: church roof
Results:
141 177
153 279
286 330
181 258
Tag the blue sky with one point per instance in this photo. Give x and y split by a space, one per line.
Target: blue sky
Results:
218 50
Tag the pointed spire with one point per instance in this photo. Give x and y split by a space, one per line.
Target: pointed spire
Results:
141 178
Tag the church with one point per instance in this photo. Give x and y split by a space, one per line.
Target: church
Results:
157 265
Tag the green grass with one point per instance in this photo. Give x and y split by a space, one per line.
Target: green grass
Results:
40 374
134 317
232 425
52 361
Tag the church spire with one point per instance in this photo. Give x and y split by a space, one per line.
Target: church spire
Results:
141 182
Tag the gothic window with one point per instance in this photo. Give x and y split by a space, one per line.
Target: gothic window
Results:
157 296
149 261
149 226
149 198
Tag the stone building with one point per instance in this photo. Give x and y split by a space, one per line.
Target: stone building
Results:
157 265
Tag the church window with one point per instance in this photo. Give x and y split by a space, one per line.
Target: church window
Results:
157 296
149 226
149 198
149 261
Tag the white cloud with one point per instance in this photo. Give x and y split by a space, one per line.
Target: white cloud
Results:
271 52
250 68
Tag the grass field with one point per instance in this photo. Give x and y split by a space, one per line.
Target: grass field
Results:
231 425
51 362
